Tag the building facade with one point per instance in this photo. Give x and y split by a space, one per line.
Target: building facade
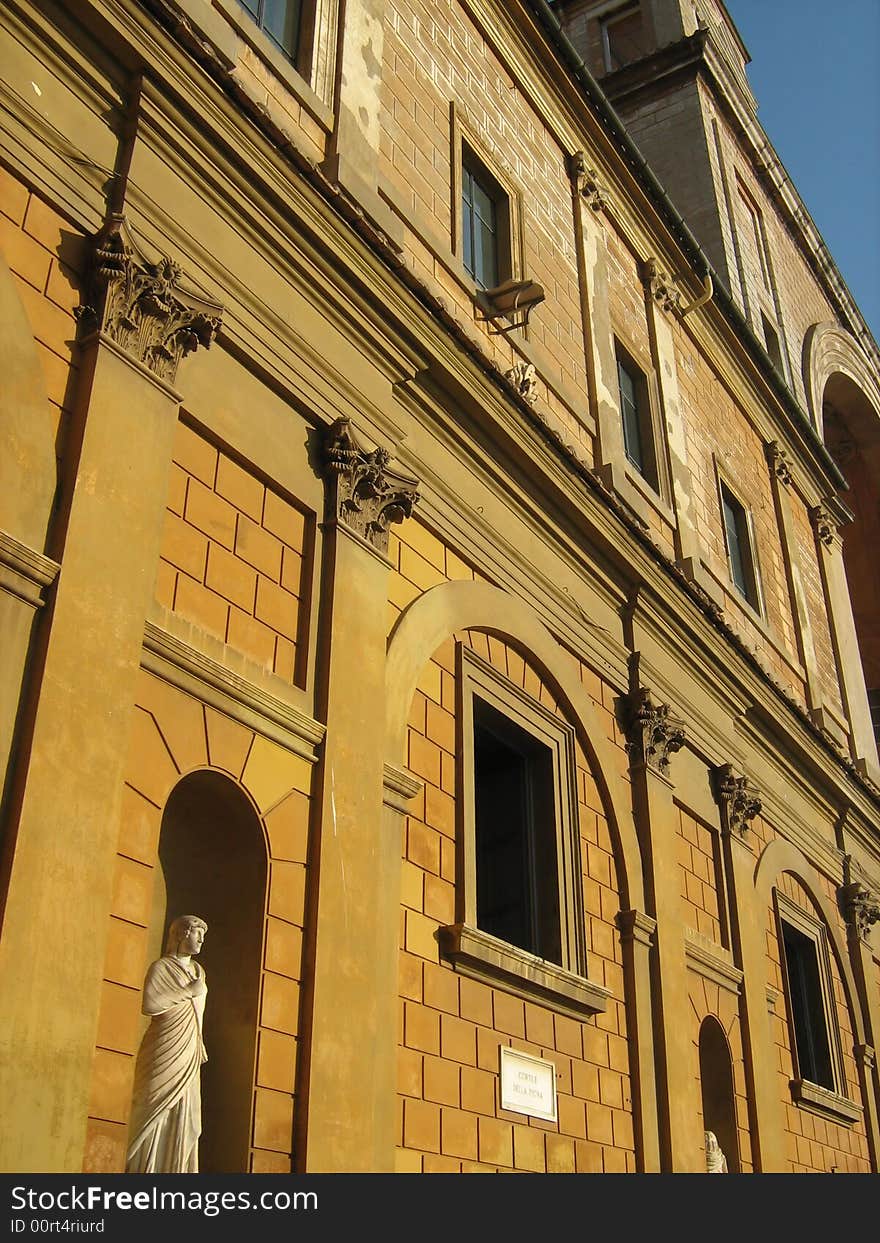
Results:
440 468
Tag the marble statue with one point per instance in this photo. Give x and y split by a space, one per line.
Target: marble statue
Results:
166 1117
716 1162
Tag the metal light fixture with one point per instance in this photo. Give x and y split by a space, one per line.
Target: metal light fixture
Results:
513 300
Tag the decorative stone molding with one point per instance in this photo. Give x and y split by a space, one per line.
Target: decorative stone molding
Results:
779 462
824 525
712 962
24 572
142 306
660 286
859 907
400 786
366 496
636 926
654 733
588 184
522 377
737 798
866 1055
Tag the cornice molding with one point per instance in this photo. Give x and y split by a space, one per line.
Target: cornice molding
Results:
710 962
183 666
24 572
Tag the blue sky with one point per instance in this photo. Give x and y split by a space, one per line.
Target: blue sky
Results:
815 74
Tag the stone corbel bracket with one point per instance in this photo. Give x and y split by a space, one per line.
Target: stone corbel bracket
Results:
660 286
365 495
589 187
653 732
142 306
738 799
523 378
779 462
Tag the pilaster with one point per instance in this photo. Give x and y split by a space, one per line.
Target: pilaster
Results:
637 939
138 325
739 803
861 910
352 1024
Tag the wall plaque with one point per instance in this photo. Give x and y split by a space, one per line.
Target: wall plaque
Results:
528 1084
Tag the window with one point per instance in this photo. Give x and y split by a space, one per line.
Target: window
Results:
635 416
757 231
771 339
815 1045
740 554
280 19
622 38
485 223
519 908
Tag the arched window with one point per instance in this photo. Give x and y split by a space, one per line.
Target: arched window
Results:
213 858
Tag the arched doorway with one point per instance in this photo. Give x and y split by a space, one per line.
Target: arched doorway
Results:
213 864
852 434
716 1086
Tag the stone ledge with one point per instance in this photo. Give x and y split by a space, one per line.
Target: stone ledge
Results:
821 1101
483 957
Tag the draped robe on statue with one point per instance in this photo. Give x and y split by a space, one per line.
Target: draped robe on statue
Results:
166 1119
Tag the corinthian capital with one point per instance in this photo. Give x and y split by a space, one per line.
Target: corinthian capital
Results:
660 286
738 799
653 733
860 908
142 305
366 495
588 184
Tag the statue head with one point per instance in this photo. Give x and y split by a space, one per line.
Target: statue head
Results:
181 931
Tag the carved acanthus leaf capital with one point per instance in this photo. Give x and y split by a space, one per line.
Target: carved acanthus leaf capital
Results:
589 186
522 377
738 799
860 908
660 286
142 306
366 495
653 733
779 462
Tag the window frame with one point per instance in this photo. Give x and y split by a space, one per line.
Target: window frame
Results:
753 596
607 20
472 950
652 474
818 1098
468 151
294 56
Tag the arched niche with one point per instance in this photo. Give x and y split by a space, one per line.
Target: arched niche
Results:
716 1089
214 864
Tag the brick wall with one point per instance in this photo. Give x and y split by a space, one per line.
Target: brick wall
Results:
235 556
698 863
46 254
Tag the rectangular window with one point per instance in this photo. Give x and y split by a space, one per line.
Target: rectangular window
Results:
519 905
807 1007
280 19
740 554
819 1083
635 417
485 223
771 339
757 234
622 38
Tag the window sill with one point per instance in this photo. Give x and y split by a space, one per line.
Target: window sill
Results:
483 957
246 27
638 494
821 1101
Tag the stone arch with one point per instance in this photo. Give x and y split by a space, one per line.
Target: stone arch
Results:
27 452
827 350
450 607
781 856
717 1088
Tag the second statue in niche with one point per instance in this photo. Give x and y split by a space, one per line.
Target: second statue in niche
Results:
166 1117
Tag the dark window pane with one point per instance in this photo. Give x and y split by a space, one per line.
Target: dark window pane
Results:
734 529
515 830
479 230
253 6
807 1008
280 20
629 412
